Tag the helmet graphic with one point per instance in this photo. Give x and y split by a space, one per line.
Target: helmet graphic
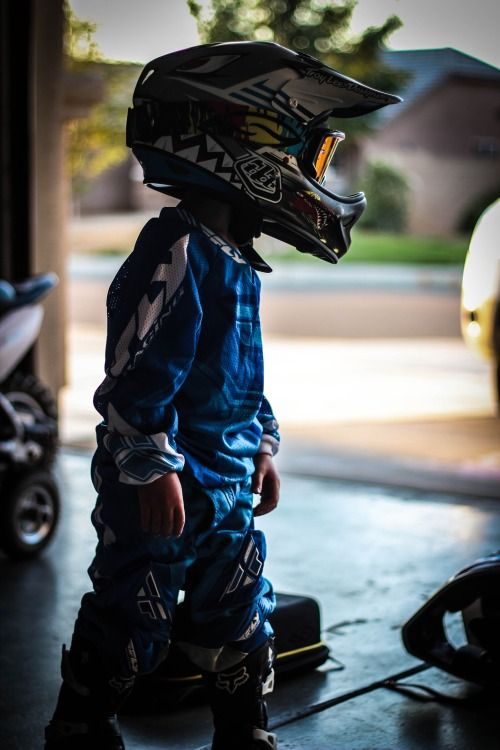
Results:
475 593
247 123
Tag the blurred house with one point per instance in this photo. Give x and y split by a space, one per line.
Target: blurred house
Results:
444 137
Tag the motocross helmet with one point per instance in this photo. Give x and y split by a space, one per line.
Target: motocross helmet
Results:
475 593
247 122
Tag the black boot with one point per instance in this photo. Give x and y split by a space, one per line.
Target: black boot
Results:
85 716
237 702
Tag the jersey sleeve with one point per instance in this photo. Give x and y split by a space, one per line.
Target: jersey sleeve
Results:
154 319
270 440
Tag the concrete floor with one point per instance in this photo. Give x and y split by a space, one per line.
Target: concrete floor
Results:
371 555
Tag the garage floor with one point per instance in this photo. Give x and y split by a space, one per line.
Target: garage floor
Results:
371 555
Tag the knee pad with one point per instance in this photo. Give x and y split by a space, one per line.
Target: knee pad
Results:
241 582
248 595
235 608
131 616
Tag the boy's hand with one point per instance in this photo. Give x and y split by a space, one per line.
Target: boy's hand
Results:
162 506
266 483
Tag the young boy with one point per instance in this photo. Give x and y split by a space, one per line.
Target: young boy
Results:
238 132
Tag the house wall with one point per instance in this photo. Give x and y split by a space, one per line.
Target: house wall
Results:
119 188
448 146
109 192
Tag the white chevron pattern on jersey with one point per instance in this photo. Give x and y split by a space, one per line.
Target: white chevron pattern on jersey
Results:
149 313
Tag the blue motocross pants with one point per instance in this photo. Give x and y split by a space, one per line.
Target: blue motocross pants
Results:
217 561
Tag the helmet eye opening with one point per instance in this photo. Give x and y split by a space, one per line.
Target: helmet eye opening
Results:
318 154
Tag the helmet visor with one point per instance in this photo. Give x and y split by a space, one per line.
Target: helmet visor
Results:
322 151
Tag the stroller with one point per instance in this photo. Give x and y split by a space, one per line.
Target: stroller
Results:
29 498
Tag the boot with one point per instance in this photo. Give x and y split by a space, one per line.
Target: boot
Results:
237 700
85 715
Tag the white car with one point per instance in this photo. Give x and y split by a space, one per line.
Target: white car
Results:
481 290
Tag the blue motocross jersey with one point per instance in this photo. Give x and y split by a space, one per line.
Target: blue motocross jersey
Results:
184 367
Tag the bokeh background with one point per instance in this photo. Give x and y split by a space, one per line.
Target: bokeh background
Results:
364 360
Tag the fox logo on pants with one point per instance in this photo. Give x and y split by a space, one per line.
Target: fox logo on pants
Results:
231 681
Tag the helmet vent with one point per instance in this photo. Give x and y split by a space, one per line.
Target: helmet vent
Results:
148 75
206 65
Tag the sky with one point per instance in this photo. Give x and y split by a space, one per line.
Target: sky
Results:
141 30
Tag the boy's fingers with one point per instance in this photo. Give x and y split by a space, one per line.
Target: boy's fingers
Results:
166 528
157 519
257 482
270 497
178 522
271 491
265 506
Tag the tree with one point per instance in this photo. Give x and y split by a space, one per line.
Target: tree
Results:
97 142
317 27
79 44
387 192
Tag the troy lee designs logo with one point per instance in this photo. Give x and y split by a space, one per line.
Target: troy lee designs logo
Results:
261 177
322 76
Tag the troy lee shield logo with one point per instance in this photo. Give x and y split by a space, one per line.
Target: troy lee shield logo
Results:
261 177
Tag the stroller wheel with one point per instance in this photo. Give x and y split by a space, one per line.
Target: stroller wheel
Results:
29 514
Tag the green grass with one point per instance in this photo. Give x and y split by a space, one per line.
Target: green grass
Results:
125 250
373 247
394 248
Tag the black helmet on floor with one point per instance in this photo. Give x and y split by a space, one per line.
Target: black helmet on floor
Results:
247 122
475 593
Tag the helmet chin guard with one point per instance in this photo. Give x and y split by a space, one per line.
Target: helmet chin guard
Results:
246 122
475 593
